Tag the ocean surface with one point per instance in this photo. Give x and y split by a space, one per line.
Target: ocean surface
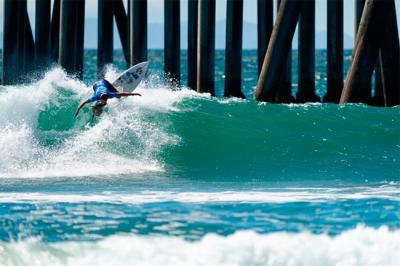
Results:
180 178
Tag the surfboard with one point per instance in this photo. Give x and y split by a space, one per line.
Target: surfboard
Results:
131 78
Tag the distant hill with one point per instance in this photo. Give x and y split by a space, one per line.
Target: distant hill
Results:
156 36
321 41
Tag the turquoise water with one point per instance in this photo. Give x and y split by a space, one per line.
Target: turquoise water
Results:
180 178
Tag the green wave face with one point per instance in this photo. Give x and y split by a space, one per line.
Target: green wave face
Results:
182 134
264 141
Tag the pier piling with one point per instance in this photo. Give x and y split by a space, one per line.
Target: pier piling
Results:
172 38
71 36
278 49
368 42
378 98
80 29
29 47
192 43
284 94
206 46
22 37
80 40
137 31
306 69
55 31
265 13
105 35
67 46
389 58
334 51
42 33
122 25
14 46
358 9
233 49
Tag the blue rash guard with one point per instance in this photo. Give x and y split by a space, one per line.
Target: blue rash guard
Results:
101 87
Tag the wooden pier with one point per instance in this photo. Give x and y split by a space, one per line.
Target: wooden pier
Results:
59 38
172 38
335 52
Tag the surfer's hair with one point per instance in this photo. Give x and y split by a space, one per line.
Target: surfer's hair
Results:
104 96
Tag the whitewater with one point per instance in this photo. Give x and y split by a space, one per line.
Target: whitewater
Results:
180 178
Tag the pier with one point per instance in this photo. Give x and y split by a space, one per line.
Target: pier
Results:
59 39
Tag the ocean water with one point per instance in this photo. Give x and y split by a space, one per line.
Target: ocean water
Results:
180 178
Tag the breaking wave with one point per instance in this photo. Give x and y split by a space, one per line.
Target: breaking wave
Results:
360 246
175 131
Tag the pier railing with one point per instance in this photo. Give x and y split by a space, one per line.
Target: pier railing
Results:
59 37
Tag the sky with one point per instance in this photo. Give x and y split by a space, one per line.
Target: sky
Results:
156 13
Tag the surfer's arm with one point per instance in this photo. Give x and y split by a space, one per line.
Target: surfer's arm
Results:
125 94
85 101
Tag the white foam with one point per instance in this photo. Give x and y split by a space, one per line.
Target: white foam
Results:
287 196
163 99
360 246
20 107
17 144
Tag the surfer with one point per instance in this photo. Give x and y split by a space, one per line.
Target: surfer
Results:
102 91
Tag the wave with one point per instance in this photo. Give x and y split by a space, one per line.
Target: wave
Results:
182 133
40 138
360 246
281 195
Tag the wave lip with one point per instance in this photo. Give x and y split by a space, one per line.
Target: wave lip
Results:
360 246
